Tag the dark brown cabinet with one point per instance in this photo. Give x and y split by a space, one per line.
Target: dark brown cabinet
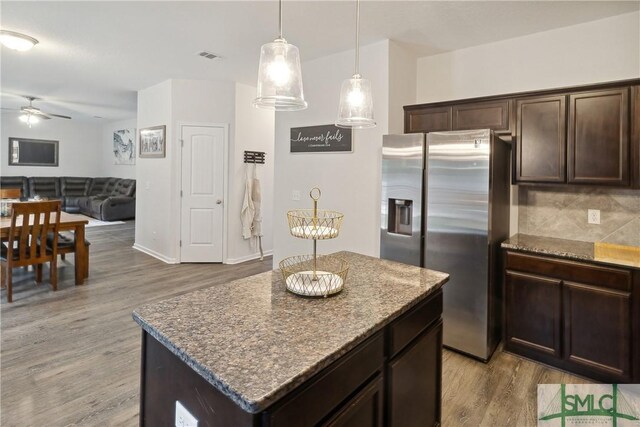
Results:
598 137
536 297
364 410
391 379
492 115
635 136
415 377
432 119
576 316
495 115
541 139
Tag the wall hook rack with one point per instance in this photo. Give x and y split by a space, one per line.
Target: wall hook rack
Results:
256 157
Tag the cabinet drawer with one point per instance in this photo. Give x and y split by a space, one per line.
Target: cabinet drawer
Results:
411 324
570 270
316 401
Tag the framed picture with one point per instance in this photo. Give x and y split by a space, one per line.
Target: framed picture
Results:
152 142
321 139
32 152
124 147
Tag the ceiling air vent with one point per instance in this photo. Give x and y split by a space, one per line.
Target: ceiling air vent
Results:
207 55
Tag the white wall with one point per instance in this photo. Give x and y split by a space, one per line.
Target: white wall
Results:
350 182
154 198
255 132
402 84
597 51
106 166
78 144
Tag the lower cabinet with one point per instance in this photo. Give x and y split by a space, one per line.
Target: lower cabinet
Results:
391 379
579 317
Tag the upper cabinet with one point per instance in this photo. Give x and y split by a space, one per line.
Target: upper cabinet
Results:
431 119
585 135
541 139
493 115
482 115
598 138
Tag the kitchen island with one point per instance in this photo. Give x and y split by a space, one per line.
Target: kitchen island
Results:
250 353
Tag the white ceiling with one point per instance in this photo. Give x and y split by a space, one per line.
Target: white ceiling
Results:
94 56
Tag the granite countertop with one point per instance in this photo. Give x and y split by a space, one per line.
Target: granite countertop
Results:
254 341
570 249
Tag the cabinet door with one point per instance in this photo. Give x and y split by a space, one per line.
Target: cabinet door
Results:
482 115
598 146
533 313
597 328
363 410
541 139
415 382
635 136
429 119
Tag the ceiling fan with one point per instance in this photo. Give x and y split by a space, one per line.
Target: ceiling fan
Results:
31 115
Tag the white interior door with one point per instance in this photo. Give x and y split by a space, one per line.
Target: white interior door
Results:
202 211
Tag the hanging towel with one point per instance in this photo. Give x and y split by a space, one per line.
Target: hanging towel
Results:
248 209
256 225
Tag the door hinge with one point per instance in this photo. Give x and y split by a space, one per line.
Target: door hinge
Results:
182 142
180 193
180 243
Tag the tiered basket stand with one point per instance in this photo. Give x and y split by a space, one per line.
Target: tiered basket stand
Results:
313 275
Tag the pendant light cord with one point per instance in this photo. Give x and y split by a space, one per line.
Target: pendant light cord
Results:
280 19
357 36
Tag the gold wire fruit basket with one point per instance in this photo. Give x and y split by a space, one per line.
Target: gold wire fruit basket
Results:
310 224
310 275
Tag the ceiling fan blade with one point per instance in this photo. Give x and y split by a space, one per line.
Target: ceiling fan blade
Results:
15 110
59 116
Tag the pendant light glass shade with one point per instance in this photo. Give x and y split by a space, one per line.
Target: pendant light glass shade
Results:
356 104
29 119
280 78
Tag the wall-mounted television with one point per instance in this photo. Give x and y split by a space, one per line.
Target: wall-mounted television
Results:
32 152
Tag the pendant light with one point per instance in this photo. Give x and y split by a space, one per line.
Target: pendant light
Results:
356 102
29 119
279 76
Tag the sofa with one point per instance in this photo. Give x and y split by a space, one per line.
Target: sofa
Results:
104 198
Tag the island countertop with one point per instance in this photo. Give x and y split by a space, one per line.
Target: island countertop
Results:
255 342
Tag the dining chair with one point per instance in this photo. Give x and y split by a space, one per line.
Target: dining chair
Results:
27 241
10 193
67 245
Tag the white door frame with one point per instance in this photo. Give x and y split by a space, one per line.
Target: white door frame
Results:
225 183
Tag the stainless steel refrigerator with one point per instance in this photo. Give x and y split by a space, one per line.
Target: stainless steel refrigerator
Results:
463 212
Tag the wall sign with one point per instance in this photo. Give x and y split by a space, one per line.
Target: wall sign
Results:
321 139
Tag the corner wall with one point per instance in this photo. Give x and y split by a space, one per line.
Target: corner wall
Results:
350 182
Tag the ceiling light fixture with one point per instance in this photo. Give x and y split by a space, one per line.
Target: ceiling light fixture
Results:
17 41
29 119
356 102
279 75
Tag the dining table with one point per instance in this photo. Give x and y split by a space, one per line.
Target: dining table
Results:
68 222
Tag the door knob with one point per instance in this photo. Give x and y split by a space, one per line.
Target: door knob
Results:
218 202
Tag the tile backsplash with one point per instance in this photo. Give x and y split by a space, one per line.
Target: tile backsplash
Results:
562 212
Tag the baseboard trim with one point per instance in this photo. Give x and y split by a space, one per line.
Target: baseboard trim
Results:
247 258
155 254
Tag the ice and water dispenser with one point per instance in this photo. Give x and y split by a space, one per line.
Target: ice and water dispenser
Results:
400 216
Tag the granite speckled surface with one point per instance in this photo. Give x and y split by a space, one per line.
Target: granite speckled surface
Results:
254 341
563 248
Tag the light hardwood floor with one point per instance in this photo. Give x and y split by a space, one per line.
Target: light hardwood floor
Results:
72 358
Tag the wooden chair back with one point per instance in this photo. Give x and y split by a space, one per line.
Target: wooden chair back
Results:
27 245
10 193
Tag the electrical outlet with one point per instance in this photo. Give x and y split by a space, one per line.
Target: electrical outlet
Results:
295 195
593 216
184 417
